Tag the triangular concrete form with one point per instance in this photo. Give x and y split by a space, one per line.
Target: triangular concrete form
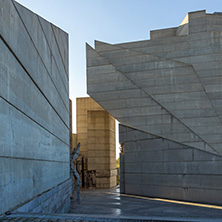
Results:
163 129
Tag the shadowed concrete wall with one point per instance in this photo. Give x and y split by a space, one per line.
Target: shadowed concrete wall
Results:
96 133
34 106
156 167
168 86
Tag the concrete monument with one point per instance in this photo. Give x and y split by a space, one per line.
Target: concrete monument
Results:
166 92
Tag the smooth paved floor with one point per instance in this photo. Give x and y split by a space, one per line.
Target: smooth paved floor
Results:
110 206
111 202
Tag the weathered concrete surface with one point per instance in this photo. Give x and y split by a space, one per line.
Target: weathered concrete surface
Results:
169 89
34 106
96 133
156 167
172 80
54 200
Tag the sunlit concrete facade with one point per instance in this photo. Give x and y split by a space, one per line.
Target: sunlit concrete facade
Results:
168 89
34 113
96 133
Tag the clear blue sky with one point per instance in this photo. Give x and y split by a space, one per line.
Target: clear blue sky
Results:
111 21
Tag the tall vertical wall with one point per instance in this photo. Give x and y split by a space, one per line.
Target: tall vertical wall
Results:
169 87
96 133
34 109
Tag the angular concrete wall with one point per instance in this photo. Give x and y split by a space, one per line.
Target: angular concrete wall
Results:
34 105
168 86
156 167
96 133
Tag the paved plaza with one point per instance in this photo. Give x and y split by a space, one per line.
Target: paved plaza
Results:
110 205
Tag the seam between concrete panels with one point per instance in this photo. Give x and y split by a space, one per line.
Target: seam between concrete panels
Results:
179 173
66 71
146 79
173 149
33 159
156 53
188 56
181 187
39 56
53 55
33 120
17 59
190 148
166 162
157 101
58 186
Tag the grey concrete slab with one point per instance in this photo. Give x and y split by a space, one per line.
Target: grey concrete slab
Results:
34 111
173 89
21 137
182 75
15 89
28 178
167 81
119 94
155 74
42 45
96 70
129 103
156 90
116 112
101 46
28 56
144 120
151 156
109 78
198 113
179 97
100 87
182 30
63 45
48 32
121 54
162 33
169 170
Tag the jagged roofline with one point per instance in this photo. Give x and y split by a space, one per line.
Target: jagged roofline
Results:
104 49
